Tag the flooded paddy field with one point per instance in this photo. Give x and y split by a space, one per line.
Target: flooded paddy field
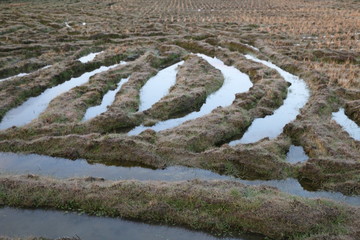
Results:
180 119
54 224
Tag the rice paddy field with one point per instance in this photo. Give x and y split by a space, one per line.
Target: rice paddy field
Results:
180 119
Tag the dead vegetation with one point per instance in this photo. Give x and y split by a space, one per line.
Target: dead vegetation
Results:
215 206
317 40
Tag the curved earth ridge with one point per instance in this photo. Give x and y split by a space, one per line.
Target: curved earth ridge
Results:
84 59
107 100
158 86
24 74
34 106
296 35
272 126
221 98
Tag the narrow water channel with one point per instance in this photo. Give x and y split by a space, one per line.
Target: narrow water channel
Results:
56 224
84 59
347 124
107 100
34 106
158 86
235 82
12 163
18 75
272 126
23 74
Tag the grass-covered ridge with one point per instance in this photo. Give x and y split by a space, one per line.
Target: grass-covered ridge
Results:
217 206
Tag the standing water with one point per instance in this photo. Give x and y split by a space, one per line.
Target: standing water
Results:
107 100
12 163
235 82
19 75
296 154
347 124
89 57
23 74
158 86
34 106
55 224
272 126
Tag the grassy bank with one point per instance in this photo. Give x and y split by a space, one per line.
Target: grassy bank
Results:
216 206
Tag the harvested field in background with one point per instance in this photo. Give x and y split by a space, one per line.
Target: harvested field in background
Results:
319 41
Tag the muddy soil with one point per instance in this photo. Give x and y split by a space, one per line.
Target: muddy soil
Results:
303 38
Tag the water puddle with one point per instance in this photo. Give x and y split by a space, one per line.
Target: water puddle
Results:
296 154
272 126
23 74
347 124
89 57
158 86
107 100
12 163
34 106
235 82
293 187
64 168
55 224
19 75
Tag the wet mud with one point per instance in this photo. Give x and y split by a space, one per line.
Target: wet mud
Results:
295 36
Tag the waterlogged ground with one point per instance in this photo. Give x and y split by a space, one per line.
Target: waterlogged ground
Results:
34 106
158 86
347 124
107 100
272 126
54 224
65 168
235 82
224 117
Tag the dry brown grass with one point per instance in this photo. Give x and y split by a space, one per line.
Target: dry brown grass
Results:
216 206
346 75
317 39
326 24
334 23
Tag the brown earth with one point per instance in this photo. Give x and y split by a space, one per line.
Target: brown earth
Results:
316 40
